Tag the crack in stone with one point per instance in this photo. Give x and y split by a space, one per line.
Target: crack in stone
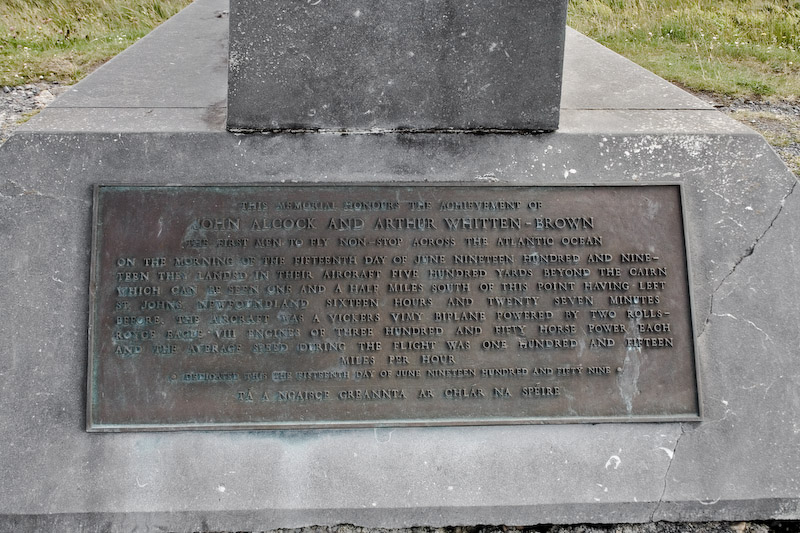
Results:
666 474
753 324
750 251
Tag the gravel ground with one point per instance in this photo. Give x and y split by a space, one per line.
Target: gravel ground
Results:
779 122
17 104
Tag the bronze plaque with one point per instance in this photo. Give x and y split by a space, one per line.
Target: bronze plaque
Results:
352 305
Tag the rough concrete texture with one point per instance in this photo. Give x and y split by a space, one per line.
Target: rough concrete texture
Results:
743 213
395 65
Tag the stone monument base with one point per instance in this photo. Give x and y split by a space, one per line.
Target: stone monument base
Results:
156 115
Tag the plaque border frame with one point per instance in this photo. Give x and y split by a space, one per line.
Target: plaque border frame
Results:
99 427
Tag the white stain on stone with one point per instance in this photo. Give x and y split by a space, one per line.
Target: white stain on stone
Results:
628 375
613 460
383 436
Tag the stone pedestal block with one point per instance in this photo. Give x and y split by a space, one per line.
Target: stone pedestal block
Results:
395 65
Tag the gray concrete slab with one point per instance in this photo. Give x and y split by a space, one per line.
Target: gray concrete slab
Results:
742 214
597 78
182 65
648 121
133 119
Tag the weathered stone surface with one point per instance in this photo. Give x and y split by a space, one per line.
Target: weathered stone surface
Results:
389 65
740 462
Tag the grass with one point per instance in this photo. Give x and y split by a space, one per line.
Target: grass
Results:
63 40
748 48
